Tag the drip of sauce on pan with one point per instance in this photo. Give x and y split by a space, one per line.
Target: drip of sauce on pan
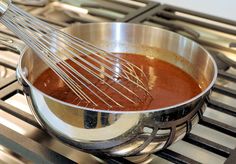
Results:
168 85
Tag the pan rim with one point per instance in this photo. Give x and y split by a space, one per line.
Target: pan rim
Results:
181 104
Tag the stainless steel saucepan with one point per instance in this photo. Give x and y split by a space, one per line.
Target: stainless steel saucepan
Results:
122 133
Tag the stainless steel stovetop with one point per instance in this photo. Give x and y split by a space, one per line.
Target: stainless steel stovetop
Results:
213 140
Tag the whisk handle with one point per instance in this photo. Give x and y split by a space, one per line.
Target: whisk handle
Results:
4 6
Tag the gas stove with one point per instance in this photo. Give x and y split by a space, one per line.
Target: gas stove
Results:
212 140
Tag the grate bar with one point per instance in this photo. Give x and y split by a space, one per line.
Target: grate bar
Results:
224 90
138 12
108 5
28 148
10 90
7 64
147 15
231 158
7 81
59 24
174 27
208 145
202 15
116 160
219 126
170 15
129 4
19 114
88 20
216 105
227 76
95 12
175 157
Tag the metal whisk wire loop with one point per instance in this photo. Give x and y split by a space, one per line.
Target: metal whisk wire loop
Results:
87 70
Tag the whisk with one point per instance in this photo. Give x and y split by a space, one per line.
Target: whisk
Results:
86 69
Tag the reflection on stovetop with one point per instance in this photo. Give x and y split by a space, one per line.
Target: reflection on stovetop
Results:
222 104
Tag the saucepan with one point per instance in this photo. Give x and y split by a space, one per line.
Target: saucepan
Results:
121 133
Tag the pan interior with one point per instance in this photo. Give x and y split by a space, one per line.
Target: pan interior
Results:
38 66
141 40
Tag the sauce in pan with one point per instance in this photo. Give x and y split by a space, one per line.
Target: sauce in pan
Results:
168 84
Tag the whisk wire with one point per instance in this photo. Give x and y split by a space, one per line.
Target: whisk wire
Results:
84 44
71 83
86 69
54 46
69 69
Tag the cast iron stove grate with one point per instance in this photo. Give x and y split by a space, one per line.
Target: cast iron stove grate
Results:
191 24
196 25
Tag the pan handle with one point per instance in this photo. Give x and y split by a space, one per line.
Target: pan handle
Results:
11 44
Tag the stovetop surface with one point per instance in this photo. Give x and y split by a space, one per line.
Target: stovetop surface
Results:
213 140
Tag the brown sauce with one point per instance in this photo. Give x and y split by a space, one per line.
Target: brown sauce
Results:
168 85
